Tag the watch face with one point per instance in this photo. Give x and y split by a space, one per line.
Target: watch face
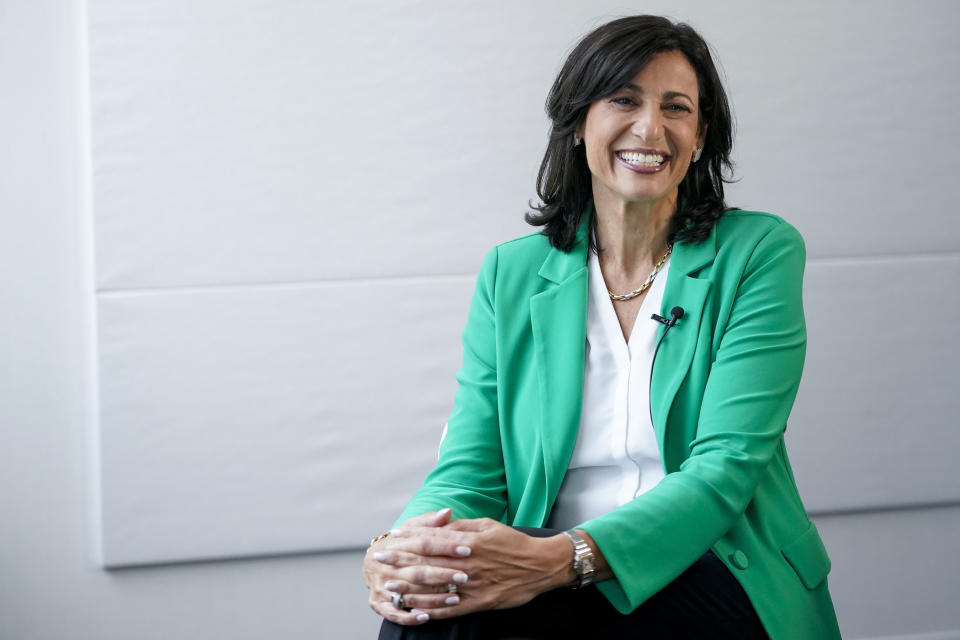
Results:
587 564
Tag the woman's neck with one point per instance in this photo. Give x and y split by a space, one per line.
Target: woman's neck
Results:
632 236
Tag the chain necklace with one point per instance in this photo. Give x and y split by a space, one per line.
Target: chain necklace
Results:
633 294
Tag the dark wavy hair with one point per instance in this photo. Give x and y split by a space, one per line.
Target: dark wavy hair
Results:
605 61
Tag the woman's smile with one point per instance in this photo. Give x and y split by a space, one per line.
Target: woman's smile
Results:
643 160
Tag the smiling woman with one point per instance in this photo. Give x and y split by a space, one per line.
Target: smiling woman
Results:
660 489
604 67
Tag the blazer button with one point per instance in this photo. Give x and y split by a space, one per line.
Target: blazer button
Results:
739 559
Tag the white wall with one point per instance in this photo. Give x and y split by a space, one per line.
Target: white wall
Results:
207 179
51 586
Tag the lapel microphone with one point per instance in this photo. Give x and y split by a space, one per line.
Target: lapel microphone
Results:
675 314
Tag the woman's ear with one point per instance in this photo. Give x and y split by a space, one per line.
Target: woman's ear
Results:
702 137
579 130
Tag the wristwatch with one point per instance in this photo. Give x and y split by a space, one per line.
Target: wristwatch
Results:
582 559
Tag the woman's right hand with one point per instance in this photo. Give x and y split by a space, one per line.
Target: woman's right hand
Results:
396 564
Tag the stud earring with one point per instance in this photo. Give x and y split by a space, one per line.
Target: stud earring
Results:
696 154
576 140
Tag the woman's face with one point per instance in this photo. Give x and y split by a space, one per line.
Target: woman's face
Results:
640 140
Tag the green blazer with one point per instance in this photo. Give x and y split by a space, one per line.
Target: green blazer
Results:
723 385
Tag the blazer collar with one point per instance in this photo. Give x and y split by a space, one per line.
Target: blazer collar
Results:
688 258
559 265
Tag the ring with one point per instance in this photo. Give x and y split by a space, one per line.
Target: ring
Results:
397 600
451 587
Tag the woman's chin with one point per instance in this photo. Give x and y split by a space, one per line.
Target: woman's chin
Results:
644 196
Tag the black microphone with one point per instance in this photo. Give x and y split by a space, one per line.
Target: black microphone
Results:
675 314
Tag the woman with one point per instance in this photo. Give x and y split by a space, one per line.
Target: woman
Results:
627 377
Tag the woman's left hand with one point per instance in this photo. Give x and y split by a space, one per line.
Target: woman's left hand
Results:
395 564
505 569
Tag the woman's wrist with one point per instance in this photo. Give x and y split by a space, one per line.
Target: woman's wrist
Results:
558 550
600 567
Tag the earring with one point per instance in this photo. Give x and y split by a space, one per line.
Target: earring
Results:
696 154
576 140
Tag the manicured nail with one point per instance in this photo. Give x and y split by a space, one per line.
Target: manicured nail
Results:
444 511
463 551
392 586
460 578
453 600
422 617
395 532
379 556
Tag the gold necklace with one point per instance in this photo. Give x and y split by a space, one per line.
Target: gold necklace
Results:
633 294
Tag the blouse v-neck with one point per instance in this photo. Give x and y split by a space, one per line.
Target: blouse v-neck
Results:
600 298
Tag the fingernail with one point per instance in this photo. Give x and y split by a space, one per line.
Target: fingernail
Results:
391 586
444 511
422 617
379 556
463 551
395 532
460 578
453 600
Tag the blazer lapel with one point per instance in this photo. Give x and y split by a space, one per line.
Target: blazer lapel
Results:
684 290
559 319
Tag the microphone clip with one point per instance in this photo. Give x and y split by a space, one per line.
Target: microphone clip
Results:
675 314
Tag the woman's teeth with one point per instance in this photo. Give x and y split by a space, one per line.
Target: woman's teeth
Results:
640 159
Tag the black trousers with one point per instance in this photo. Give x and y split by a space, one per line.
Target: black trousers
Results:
705 601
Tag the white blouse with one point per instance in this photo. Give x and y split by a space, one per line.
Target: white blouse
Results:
616 457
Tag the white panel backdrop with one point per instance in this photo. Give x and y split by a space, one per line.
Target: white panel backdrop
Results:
291 200
243 420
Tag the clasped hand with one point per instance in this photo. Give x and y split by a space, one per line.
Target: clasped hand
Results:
492 566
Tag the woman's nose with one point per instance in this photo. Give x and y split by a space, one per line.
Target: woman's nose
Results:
647 125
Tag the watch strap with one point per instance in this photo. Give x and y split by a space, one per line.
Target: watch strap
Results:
582 559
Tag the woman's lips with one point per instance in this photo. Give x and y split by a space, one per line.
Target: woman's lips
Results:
643 168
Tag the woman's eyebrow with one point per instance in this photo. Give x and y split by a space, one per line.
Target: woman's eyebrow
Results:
667 95
676 94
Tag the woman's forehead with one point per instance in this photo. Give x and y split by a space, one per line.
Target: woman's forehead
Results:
667 71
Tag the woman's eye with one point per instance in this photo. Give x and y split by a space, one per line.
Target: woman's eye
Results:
677 108
622 101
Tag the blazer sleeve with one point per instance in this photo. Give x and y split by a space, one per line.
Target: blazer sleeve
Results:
469 476
746 400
